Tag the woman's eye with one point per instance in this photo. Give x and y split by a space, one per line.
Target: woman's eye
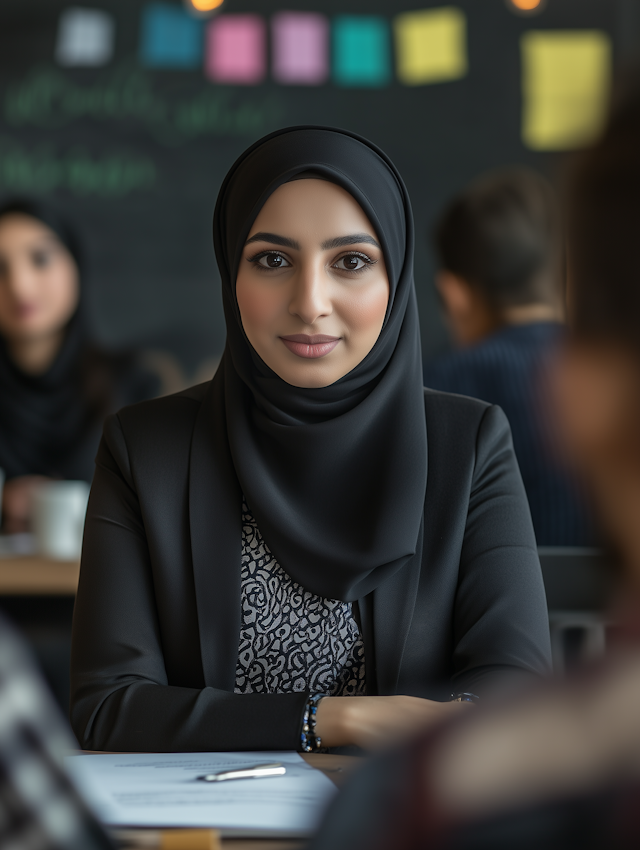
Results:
352 263
40 259
272 261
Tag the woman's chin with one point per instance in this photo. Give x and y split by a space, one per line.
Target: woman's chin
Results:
26 330
309 375
310 383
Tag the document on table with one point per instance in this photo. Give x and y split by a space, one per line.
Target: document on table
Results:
161 790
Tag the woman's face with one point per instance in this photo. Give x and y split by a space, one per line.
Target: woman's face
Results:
39 286
312 286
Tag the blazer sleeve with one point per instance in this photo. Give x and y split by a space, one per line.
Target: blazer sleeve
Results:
121 699
501 624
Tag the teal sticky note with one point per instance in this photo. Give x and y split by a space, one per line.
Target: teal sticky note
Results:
361 51
170 38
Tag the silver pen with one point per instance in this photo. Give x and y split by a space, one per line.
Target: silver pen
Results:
257 771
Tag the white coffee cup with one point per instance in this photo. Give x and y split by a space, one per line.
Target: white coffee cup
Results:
59 509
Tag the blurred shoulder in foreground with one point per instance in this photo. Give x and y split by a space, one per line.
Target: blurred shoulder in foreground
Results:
39 808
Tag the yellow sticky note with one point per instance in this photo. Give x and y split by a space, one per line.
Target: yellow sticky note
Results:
566 78
431 45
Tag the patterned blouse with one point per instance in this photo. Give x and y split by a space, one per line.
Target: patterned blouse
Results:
291 639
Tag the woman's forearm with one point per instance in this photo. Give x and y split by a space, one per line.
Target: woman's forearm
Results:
146 717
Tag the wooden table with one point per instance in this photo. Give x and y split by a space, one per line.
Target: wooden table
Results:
33 575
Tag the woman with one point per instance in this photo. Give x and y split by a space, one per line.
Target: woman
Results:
559 767
55 386
310 522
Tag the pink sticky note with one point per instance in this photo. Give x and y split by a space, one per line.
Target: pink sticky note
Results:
300 48
236 49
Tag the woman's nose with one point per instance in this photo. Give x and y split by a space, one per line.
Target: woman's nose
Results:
311 295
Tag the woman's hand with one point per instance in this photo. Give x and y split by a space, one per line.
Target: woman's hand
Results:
17 498
375 722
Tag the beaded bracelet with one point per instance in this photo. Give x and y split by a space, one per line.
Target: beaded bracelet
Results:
466 697
309 741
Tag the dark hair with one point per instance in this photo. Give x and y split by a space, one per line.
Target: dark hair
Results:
50 217
501 236
604 231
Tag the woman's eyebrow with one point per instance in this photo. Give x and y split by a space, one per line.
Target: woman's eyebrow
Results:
44 242
336 242
353 239
284 241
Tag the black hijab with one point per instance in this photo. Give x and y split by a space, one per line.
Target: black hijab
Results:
335 476
44 418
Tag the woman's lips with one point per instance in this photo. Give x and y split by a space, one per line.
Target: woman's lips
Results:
25 311
310 347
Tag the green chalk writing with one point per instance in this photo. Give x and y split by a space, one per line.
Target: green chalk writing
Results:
40 170
49 98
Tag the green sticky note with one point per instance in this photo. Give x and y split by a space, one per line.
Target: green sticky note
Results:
566 80
431 45
361 51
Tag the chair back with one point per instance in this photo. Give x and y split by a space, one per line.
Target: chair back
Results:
578 586
575 579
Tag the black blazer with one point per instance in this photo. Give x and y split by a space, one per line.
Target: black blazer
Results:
156 631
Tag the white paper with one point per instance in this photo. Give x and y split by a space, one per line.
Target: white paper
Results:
161 790
85 37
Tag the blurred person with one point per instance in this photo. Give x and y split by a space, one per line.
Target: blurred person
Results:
39 807
311 536
56 386
500 281
558 767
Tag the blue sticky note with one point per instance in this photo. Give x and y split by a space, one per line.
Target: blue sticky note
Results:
170 37
361 51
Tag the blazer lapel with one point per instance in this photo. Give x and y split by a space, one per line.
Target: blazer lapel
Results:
215 521
393 606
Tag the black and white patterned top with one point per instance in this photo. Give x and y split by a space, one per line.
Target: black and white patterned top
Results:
291 639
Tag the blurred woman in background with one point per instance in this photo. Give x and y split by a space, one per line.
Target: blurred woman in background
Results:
56 387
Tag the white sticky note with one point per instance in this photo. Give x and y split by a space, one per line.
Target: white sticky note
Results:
85 37
566 80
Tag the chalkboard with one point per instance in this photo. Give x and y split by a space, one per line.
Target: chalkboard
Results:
136 155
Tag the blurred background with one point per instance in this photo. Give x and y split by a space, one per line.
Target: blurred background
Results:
128 113
125 115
